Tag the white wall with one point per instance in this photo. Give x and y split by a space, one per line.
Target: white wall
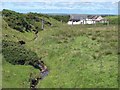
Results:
91 22
69 23
81 22
74 23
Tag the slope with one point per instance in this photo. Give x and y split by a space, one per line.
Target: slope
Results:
76 56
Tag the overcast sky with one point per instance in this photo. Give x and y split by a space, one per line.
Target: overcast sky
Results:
63 6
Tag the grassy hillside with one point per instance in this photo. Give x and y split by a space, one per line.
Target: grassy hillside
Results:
63 18
27 22
14 76
83 56
113 19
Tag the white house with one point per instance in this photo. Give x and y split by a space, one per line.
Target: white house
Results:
76 19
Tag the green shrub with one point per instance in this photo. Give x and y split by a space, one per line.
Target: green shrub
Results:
19 28
15 53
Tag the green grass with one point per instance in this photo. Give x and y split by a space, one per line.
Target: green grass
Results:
113 19
72 62
0 51
0 70
80 56
16 76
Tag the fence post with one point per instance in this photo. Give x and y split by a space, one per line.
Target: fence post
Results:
108 20
42 24
108 23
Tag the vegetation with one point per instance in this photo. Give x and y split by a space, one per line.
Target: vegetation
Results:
26 22
113 19
82 56
15 53
63 18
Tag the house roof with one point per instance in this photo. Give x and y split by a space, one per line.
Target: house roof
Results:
77 17
91 16
82 16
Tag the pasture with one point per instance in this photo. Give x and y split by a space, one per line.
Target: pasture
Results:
79 56
82 56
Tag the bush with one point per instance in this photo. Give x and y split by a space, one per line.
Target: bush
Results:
19 28
15 53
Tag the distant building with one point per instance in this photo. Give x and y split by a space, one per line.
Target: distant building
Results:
85 19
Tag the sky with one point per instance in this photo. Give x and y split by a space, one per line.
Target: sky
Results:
62 6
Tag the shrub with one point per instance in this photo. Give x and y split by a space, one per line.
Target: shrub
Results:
19 28
15 53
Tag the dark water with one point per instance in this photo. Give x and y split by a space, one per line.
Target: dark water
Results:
44 74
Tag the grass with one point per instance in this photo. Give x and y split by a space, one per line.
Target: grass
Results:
0 70
16 76
76 56
73 63
0 52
